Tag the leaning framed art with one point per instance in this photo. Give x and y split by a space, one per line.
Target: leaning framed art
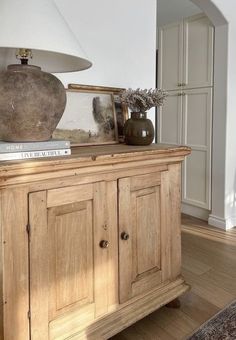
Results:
93 116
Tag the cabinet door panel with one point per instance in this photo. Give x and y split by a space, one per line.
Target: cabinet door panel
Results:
144 257
198 52
170 119
170 58
71 257
197 127
72 279
148 229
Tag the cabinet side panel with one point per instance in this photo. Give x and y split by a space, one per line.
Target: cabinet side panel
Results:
165 226
15 264
175 218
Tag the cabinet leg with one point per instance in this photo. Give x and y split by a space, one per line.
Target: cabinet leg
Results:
174 304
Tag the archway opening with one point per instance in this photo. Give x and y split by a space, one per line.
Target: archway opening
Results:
218 155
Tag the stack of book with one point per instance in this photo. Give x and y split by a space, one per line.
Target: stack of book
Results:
29 150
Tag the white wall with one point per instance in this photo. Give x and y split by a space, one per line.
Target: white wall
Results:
225 173
119 38
228 8
169 11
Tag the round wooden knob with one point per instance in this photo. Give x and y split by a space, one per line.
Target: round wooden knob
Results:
124 236
104 244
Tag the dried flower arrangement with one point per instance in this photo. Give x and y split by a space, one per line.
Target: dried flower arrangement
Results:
142 100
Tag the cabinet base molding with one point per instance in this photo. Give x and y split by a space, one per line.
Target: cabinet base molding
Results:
114 323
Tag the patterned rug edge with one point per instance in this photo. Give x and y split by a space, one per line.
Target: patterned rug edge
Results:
194 335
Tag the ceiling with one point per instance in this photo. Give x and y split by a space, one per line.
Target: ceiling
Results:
174 10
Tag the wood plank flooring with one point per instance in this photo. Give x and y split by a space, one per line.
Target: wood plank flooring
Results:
209 266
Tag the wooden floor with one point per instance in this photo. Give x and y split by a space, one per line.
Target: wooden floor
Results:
209 266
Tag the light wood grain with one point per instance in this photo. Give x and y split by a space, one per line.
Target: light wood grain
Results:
166 227
148 231
144 212
15 264
1 272
125 247
112 228
16 172
145 181
39 266
175 218
69 195
70 233
101 255
209 264
78 289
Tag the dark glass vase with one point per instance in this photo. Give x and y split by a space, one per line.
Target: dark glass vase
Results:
138 130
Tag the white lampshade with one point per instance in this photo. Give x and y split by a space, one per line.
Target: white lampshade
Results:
39 26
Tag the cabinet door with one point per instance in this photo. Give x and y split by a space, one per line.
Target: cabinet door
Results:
149 230
198 52
170 119
170 56
72 274
197 133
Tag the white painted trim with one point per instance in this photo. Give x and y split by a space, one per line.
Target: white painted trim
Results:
217 222
194 211
222 223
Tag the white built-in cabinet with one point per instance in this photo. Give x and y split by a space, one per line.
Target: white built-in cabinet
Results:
185 70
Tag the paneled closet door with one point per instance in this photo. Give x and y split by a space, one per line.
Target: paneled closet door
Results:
170 119
198 52
197 131
170 58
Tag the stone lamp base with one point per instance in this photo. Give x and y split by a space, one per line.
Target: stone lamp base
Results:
32 103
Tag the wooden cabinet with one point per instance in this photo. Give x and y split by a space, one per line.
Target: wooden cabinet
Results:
91 243
185 58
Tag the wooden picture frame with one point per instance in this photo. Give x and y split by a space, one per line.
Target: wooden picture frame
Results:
90 116
122 113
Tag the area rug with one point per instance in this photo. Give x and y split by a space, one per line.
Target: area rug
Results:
221 327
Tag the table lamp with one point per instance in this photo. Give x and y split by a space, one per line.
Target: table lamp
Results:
34 35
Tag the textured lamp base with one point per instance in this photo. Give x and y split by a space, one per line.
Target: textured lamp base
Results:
32 103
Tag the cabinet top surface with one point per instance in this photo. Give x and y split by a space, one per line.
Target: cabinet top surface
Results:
90 156
84 153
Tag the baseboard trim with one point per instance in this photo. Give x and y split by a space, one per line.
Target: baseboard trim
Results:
222 223
197 212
